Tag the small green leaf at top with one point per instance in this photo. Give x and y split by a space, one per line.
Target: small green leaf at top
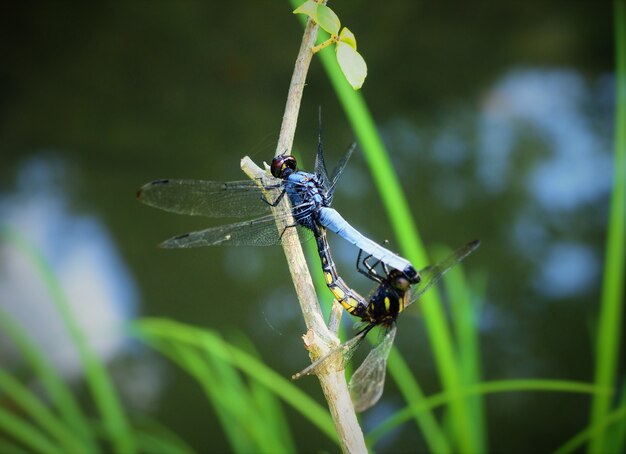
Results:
308 8
352 64
346 36
328 20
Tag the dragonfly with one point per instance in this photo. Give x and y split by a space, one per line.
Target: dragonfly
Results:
393 293
310 194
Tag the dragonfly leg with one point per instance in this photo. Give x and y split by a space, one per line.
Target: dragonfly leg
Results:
366 329
287 227
385 267
278 199
367 270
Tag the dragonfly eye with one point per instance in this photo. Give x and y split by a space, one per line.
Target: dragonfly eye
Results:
399 281
283 166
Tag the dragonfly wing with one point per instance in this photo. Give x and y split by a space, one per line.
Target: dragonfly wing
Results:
256 232
339 356
209 198
342 164
433 273
334 179
368 381
320 166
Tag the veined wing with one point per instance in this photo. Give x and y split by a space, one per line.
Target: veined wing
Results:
330 183
431 274
209 198
320 166
339 169
368 381
340 356
255 232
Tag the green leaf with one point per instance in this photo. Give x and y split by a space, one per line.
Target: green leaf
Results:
308 8
153 331
328 20
346 36
352 65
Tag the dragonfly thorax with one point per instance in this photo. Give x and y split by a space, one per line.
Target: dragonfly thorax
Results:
385 304
306 194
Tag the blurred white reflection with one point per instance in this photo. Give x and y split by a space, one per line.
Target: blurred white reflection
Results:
568 269
83 260
560 112
556 106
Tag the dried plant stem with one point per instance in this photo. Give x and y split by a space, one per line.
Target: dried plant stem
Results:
318 339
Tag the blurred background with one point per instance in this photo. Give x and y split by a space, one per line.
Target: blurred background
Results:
499 121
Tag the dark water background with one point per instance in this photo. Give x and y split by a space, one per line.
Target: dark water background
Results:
498 117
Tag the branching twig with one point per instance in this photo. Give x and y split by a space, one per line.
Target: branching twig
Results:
318 339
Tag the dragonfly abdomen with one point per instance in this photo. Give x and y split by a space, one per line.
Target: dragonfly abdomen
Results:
351 301
333 221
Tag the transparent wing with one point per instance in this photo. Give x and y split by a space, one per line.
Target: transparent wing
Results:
337 173
320 166
431 274
341 165
367 382
256 232
339 356
209 198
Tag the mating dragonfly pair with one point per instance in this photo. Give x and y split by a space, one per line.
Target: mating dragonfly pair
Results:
310 195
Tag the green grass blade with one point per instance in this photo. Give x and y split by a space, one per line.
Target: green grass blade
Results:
491 387
247 413
271 420
226 398
58 391
269 405
152 436
25 433
434 437
98 380
593 431
465 322
8 447
611 311
618 442
152 330
147 442
40 414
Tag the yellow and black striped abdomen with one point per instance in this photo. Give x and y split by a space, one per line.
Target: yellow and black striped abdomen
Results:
352 302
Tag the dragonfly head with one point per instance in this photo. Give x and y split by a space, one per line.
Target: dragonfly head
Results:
283 166
411 274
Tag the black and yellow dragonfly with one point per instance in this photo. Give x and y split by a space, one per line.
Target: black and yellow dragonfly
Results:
393 294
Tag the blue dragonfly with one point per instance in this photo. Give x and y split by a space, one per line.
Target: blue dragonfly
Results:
393 294
310 194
